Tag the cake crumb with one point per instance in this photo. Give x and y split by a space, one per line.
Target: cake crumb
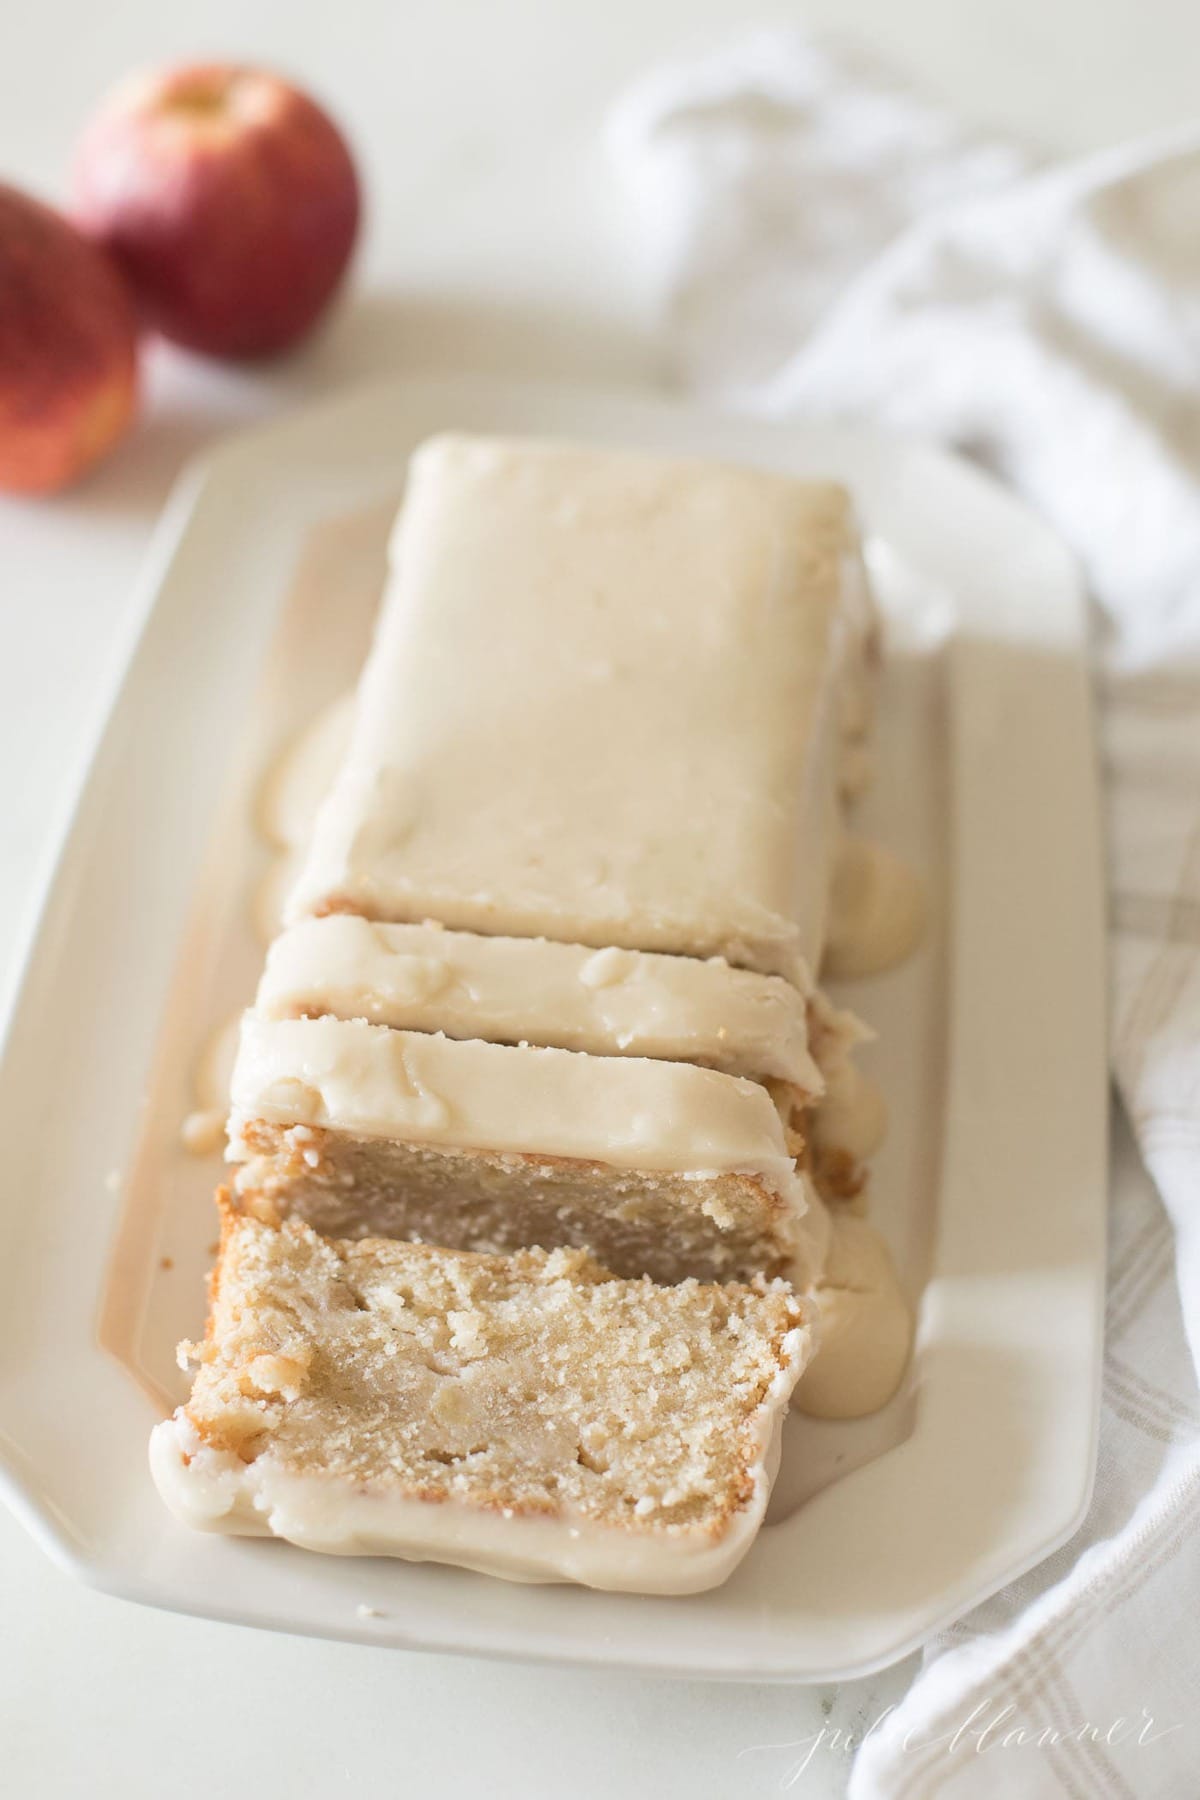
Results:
360 1359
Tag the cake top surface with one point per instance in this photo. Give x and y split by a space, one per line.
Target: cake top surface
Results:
601 707
535 1382
530 990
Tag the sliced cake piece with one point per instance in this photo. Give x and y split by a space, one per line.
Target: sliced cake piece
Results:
527 1416
609 703
530 990
659 1168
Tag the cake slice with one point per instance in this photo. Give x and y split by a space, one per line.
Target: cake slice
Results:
610 702
532 991
526 1416
658 1168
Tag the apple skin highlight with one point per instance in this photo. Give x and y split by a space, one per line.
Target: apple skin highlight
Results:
68 349
230 200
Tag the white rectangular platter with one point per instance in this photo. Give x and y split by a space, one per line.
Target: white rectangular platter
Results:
991 1052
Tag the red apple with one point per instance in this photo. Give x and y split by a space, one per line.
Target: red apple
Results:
68 349
228 197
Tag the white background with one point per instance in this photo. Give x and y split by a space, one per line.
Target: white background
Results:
495 239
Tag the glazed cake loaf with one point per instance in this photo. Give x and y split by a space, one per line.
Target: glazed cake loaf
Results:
661 1168
528 1416
562 866
609 703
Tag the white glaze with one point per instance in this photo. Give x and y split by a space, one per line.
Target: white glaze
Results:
807 1267
876 911
302 774
630 1112
528 990
203 1130
269 898
852 1114
606 705
865 1326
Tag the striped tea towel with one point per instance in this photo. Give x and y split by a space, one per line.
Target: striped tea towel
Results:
826 243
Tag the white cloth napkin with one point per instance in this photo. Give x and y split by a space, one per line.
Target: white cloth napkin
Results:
826 243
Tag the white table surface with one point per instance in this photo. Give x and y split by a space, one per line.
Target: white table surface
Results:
493 240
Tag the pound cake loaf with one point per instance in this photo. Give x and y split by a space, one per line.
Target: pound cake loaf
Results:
611 702
527 1416
660 1168
548 973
